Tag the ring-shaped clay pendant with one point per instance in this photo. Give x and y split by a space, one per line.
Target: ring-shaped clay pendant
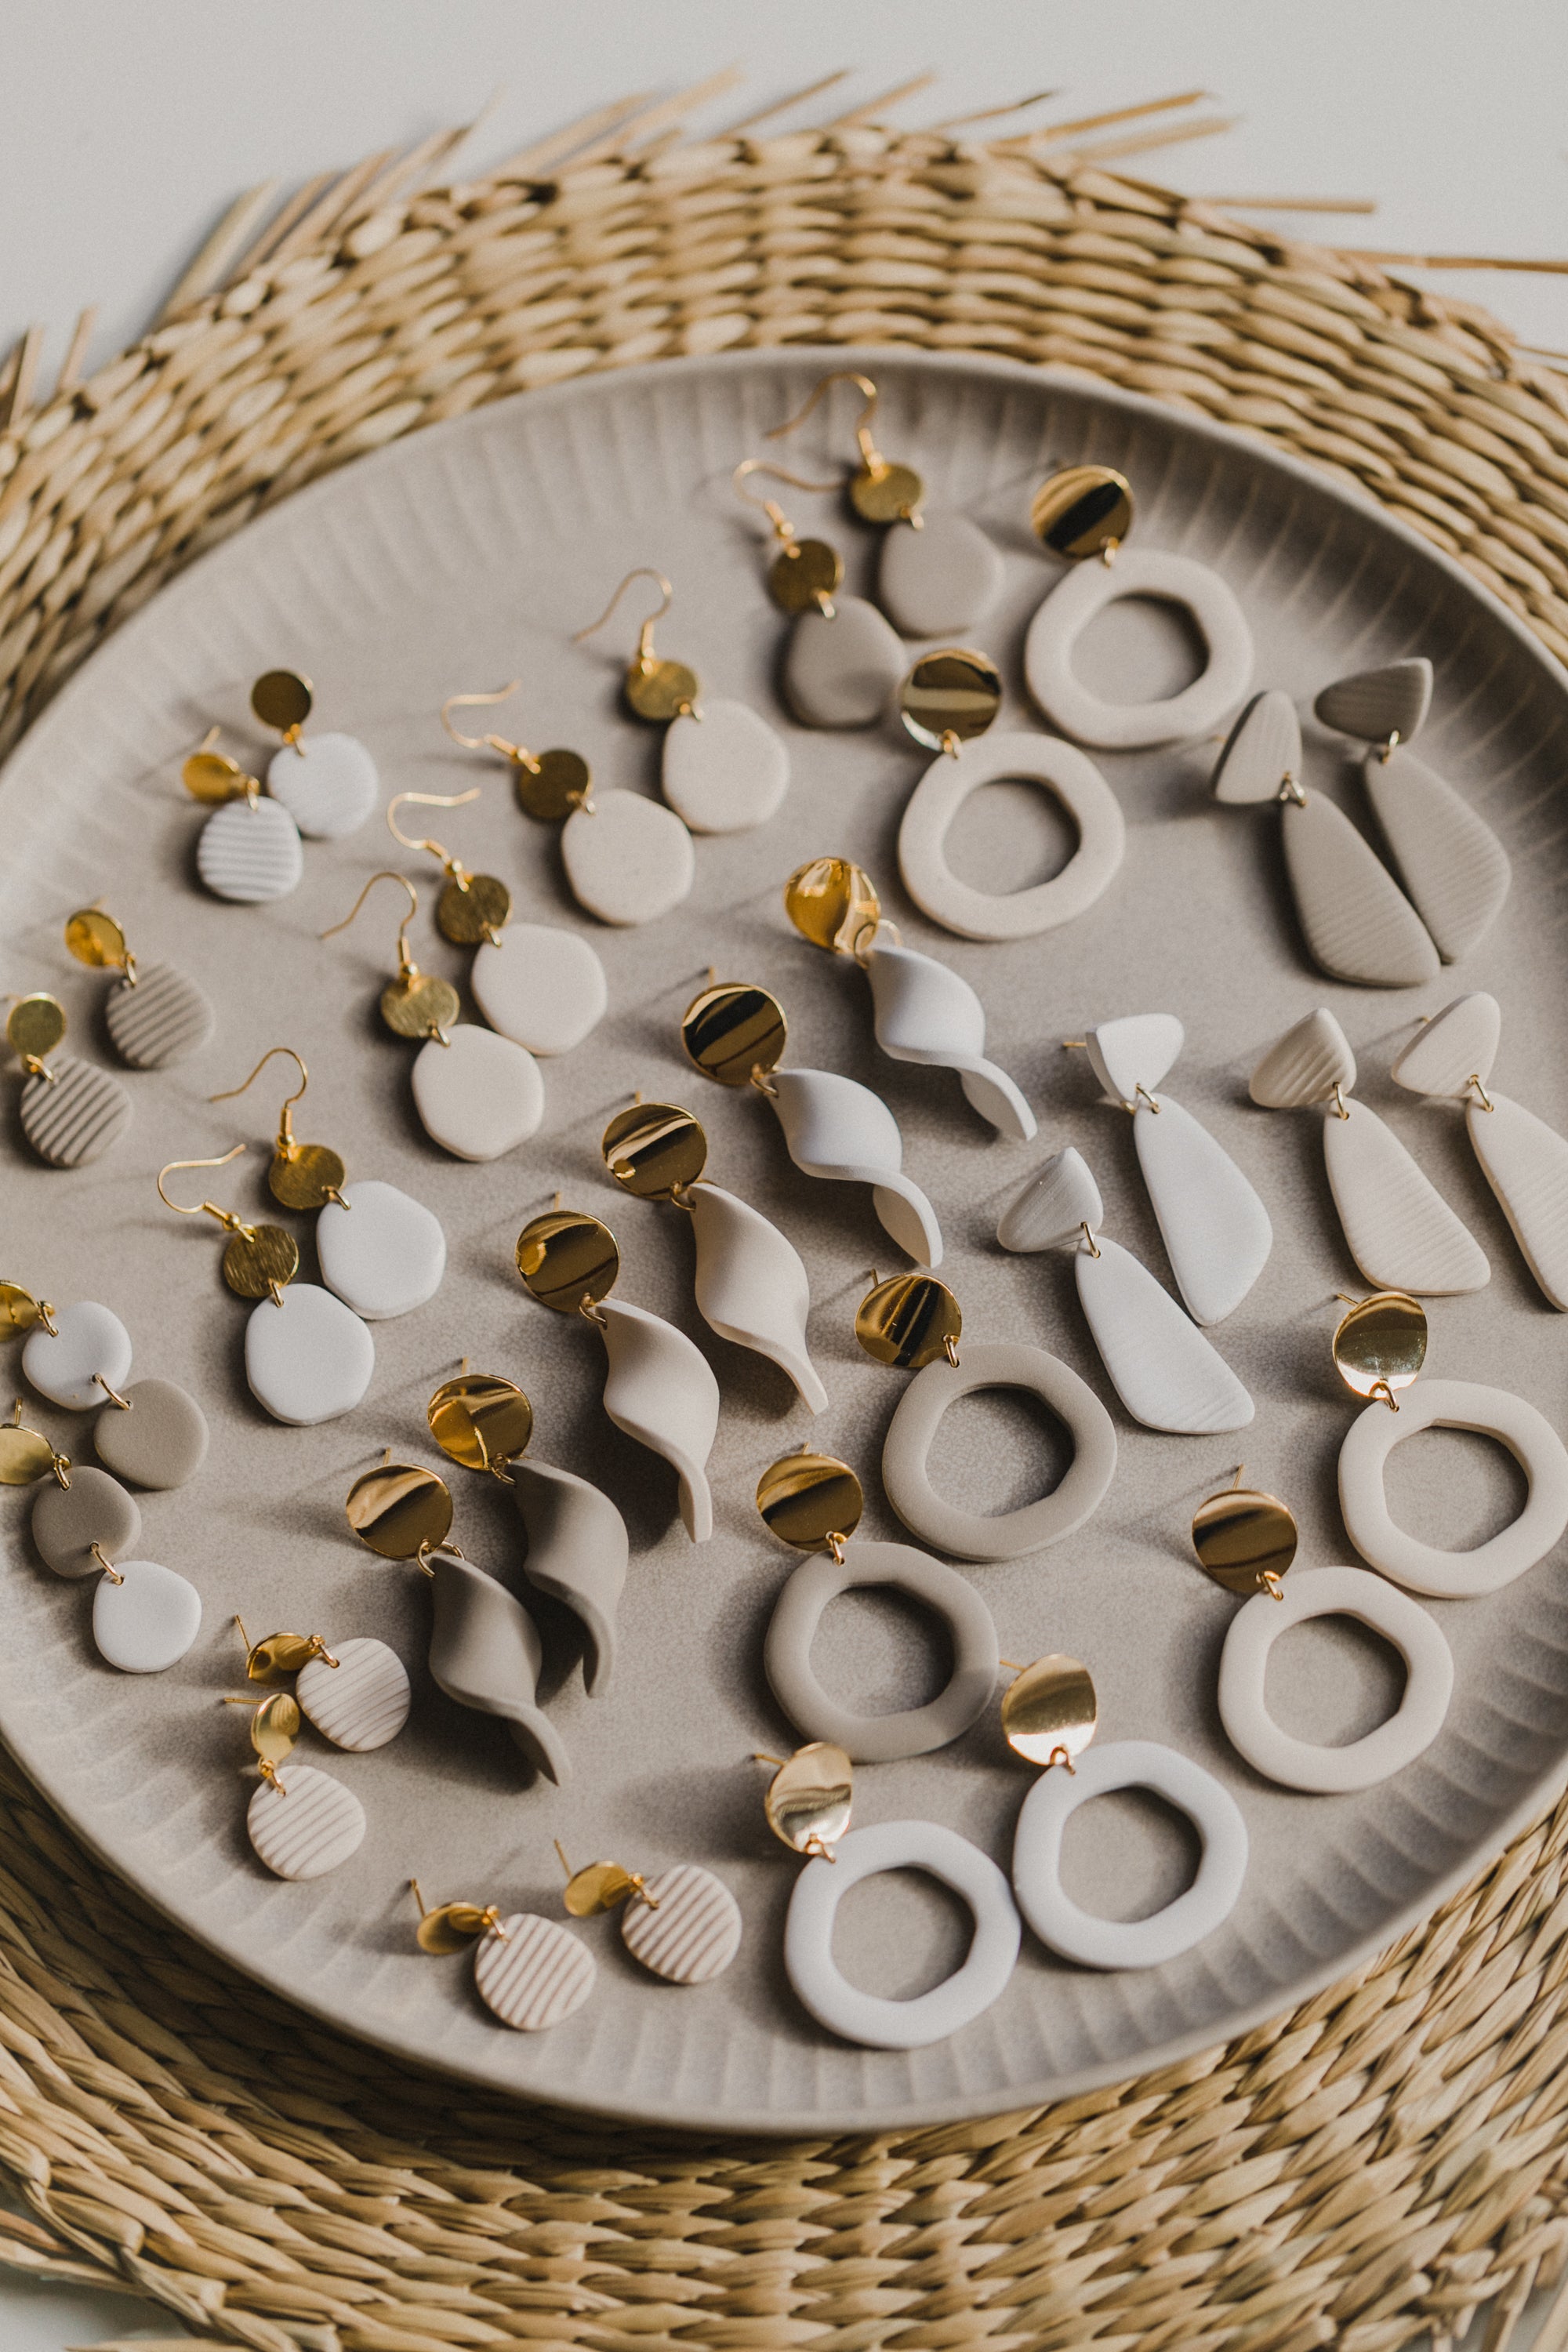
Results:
328 784
947 2008
723 769
937 802
628 859
303 1822
1165 1933
689 1931
249 851
87 1353
938 581
540 986
382 1253
532 1973
307 1358
909 1731
1453 1405
72 1112
360 1702
1362 1763
161 1441
1170 578
147 1619
1005 1535
477 1094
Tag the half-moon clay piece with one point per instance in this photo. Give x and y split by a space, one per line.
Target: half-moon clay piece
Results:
1051 1208
1376 704
577 1553
1458 1045
1305 1067
1162 1369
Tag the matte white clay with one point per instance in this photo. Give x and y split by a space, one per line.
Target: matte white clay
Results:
89 1351
1085 592
540 986
382 1253
752 1285
694 1934
1051 1208
72 1112
1454 1046
842 672
628 859
328 784
1305 1067
936 805
1453 1405
1163 1369
1135 1051
146 1622
1402 1233
661 1390
359 1703
1451 863
1215 1230
723 770
940 580
477 1094
308 1358
927 1012
1262 752
835 1128
1357 922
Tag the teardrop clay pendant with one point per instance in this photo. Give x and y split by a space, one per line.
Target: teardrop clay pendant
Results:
1357 922
329 786
842 672
146 1622
1454 866
160 1019
161 1441
941 579
724 770
87 1353
382 1253
477 1094
695 1932
1402 1233
628 859
1526 1163
1215 1230
72 1112
540 986
249 852
363 1701
304 1823
308 1358
532 1973
1163 1367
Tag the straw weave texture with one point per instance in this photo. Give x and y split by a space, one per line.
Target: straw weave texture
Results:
1383 2161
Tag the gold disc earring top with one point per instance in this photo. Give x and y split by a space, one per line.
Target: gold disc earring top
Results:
1381 1345
259 1261
810 1797
419 1004
20 1311
480 1421
96 940
883 492
282 1654
1050 1711
951 696
35 1026
732 1031
305 1175
834 904
25 1454
275 1726
400 1510
449 1925
568 1260
1244 1540
654 1150
657 689
810 1500
552 784
472 908
1084 511
909 1322
281 699
212 776
600 1887
805 576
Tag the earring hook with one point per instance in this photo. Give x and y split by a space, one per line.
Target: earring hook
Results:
427 800
385 875
229 1093
208 1208
770 507
868 447
643 571
479 742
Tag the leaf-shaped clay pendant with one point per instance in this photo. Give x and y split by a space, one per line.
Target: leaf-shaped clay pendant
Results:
159 1441
159 1019
1452 864
1215 1230
477 1094
842 672
309 1358
1456 1046
148 1620
661 1390
628 859
532 1973
540 986
304 1823
1526 1163
485 1654
836 1128
249 852
1134 1052
359 1703
72 1112
68 1521
1053 1207
751 1286
1162 1366
692 1934
1305 1065
380 1250
940 580
1378 704
1402 1233
926 1012
87 1353
576 1553
1261 752
328 784
1357 922
724 770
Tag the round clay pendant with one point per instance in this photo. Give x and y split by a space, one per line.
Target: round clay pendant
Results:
724 770
88 1353
359 1703
328 784
304 1823
68 1521
148 1620
161 1018
938 581
381 1252
532 1973
628 859
540 986
71 1111
695 1932
161 1441
249 852
308 1359
479 1095
845 671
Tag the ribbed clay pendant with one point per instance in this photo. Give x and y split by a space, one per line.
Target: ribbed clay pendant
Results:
249 852
303 1824
154 1015
357 1698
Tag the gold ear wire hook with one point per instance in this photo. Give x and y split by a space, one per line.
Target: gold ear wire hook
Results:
871 457
226 1217
643 571
285 1114
405 960
430 800
783 527
485 743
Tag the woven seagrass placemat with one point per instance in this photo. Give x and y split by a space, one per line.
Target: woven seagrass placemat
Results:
1382 2161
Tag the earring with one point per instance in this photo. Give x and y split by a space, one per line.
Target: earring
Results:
1215 1230
248 850
382 1253
72 1112
152 1432
1050 1715
1401 1232
307 1358
750 1283
485 1650
529 1972
303 1826
154 1016
1357 922
479 1095
1453 864
923 1011
328 784
577 1548
807 1806
1379 1349
1166 1372
833 1127
683 1925
356 1692
658 1387
843 661
913 1322
723 769
1524 1161
1088 511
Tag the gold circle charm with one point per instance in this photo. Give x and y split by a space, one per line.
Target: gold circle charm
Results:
805 574
1381 1345
598 1887
96 939
259 1259
419 1004
305 1176
35 1026
909 1322
660 690
654 1150
1244 1540
399 1509
450 1925
25 1455
832 904
275 1726
886 493
951 696
211 776
809 1797
281 1654
1050 1711
731 1030
568 1260
556 784
473 909
19 1310
806 1498
480 1421
1082 511
281 699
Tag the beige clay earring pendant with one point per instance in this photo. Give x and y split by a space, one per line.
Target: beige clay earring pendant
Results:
301 1823
72 1112
355 1692
1086 512
843 662
327 783
248 851
914 1323
154 1015
1400 1231
150 1431
531 1973
682 1925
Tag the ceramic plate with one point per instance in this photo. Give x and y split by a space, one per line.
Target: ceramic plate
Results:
463 557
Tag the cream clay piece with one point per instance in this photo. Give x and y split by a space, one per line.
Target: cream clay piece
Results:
682 1924
248 851
301 1822
356 1692
327 783
144 1617
531 1973
843 662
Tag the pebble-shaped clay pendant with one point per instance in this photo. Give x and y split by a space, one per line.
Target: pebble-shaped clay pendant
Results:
695 1932
382 1253
161 1441
72 1112
478 1094
249 852
308 1358
158 1018
940 580
303 1822
724 770
628 859
363 1701
87 1353
68 1521
842 672
147 1619
328 784
540 986
532 1973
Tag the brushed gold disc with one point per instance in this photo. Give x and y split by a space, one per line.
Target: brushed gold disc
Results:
662 689
557 782
654 1149
279 1654
481 1419
886 493
305 1176
731 1030
832 903
419 1004
468 912
399 1508
1244 1538
282 699
949 697
1381 1342
803 572
257 1257
35 1026
810 1797
568 1258
806 1498
909 1322
1051 1709
25 1455
96 939
1082 511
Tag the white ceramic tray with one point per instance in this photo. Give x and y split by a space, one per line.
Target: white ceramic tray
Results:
456 561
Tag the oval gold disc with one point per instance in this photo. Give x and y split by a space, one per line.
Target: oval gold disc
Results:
832 903
19 1310
1082 511
909 1322
305 1176
398 1508
1049 1708
802 573
275 1726
282 699
654 1149
481 1419
806 1498
35 1026
598 1887
468 912
556 784
25 1455
731 1030
809 1797
279 1654
1244 1538
211 776
566 1258
96 939
952 696
661 689
419 1004
886 493
450 1925
1381 1342
257 1257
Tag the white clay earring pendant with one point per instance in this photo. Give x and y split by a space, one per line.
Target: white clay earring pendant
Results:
1215 1230
151 1432
327 783
1451 863
658 1387
301 1823
72 1112
1166 1372
809 1805
355 1692
145 1616
154 1015
913 1322
750 1283
682 1924
833 1127
1400 1231
1357 922
248 851
1524 1161
923 1011
1379 1349
1086 512
1049 1714
843 661
529 1972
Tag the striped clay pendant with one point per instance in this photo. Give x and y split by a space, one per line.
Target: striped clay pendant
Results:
71 1111
692 1934
158 1018
532 1973
302 1823
249 851
359 1703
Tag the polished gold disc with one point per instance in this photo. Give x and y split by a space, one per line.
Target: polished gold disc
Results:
886 493
474 909
810 1797
1050 1710
279 1654
1082 511
1244 1538
275 1726
210 776
481 1419
950 698
399 1508
35 1026
1381 1342
806 1498
661 689
306 1175
258 1258
834 904
282 699
733 1029
599 1887
568 1258
96 939
803 572
25 1455
419 1004
450 1925
909 1321
654 1150
556 784
19 1310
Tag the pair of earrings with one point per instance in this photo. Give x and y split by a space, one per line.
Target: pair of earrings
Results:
153 1014
323 787
152 1432
357 1696
72 1112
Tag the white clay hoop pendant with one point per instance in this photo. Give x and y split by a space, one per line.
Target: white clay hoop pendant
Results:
86 1354
540 986
381 1253
532 1973
1362 1763
1170 578
360 1699
723 769
947 2008
144 1617
327 783
937 804
307 1358
303 1824
1453 1405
